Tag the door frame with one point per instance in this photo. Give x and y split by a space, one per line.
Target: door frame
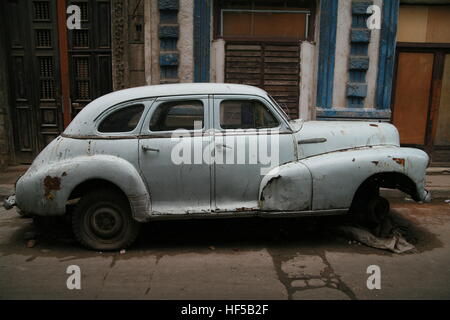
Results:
439 50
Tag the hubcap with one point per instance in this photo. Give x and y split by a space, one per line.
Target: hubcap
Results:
106 222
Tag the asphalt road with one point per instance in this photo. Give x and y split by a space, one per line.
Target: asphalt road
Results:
231 259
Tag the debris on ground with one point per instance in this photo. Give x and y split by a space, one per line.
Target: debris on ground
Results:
395 243
381 232
122 251
31 243
212 248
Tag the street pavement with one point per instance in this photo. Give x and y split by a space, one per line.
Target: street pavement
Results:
302 258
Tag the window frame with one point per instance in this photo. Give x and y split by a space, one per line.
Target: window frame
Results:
204 99
100 118
282 125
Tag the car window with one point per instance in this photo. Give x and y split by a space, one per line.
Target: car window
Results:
245 114
122 120
177 115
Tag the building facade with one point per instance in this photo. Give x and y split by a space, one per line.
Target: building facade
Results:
318 58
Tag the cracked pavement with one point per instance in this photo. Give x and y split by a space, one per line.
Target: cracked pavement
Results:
231 259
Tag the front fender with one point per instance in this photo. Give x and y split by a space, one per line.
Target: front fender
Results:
337 175
45 189
286 188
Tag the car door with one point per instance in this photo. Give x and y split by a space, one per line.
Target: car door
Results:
250 139
173 155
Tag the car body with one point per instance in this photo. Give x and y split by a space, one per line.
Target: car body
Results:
129 142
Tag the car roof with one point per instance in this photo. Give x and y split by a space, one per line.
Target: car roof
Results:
83 123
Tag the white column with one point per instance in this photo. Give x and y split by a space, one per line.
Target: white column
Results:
186 41
372 72
344 22
307 80
218 61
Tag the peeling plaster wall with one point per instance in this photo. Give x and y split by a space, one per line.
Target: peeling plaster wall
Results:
372 72
5 145
218 61
186 41
307 83
151 41
343 53
344 21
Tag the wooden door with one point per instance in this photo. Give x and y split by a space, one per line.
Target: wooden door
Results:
421 104
412 96
33 29
32 41
90 54
270 66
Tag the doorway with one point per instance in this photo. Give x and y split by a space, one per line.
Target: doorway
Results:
38 103
421 103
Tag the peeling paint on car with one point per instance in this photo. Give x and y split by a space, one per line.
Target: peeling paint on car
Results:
322 164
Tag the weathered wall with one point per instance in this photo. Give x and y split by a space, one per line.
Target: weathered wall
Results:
186 41
127 29
136 62
308 58
372 72
344 22
151 42
4 112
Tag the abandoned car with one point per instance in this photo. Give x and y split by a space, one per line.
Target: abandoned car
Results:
209 150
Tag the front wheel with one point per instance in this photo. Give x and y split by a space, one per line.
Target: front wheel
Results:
102 221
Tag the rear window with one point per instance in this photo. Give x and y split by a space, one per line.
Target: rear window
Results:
122 120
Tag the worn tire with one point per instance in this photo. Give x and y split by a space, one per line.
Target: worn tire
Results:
102 221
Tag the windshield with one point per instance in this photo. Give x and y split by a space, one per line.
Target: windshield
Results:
282 112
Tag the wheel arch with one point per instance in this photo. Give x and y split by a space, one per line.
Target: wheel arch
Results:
389 180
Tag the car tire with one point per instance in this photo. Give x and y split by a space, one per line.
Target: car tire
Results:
102 221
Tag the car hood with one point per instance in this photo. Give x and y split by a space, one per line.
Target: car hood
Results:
318 137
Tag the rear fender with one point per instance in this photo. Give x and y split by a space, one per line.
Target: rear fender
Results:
45 189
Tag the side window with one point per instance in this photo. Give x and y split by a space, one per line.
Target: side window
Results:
245 114
177 115
122 120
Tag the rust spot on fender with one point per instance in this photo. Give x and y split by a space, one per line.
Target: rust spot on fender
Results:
400 161
51 184
373 125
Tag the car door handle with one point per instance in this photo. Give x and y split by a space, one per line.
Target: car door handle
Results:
313 140
221 145
147 148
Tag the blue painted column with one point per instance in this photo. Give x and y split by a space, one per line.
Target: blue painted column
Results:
169 31
387 53
202 40
359 58
327 51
